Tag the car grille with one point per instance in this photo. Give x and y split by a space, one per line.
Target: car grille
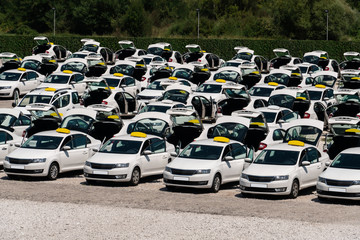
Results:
253 189
260 178
192 183
338 183
183 172
102 176
338 194
102 166
9 170
20 161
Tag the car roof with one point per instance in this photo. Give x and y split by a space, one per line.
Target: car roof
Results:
212 142
354 150
141 137
54 133
288 147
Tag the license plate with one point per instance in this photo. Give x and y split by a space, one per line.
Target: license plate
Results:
17 167
258 185
101 172
181 178
337 189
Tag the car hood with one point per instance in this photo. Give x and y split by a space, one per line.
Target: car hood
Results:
268 170
30 153
341 174
190 164
7 83
149 92
215 96
112 158
53 85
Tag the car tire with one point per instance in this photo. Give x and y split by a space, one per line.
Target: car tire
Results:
53 171
216 183
294 189
135 177
16 95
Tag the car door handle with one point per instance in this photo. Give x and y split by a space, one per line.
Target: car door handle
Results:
319 166
4 148
84 153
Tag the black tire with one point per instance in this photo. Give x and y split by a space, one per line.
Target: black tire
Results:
294 189
90 182
135 177
216 183
53 171
16 96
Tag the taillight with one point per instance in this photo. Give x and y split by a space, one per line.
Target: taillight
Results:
219 110
170 60
81 102
105 102
358 115
47 51
327 69
262 146
143 78
331 115
307 115
199 60
23 134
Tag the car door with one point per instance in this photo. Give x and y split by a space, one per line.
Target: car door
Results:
198 106
309 174
78 152
79 85
62 103
208 107
23 87
159 158
232 169
5 138
32 81
129 85
130 102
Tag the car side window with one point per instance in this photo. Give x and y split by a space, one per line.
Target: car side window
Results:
157 146
79 77
238 151
79 141
22 121
32 76
278 134
4 137
303 156
75 98
312 155
145 145
62 101
24 77
130 82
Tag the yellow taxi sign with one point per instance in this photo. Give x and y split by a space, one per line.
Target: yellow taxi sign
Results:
355 78
295 74
51 43
63 130
296 143
194 121
203 51
323 57
52 61
352 130
49 89
301 98
220 80
68 71
166 49
320 86
221 139
101 63
140 65
182 91
257 124
112 88
204 69
118 74
113 117
273 84
21 69
173 78
255 72
56 115
138 134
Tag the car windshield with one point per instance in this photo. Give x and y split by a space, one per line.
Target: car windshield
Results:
30 64
29 99
73 66
7 120
236 93
304 69
182 73
326 80
155 51
96 85
58 79
42 142
306 134
311 59
77 122
176 95
156 86
123 68
9 76
90 48
246 71
209 88
78 55
153 126
232 64
112 82
277 157
231 76
340 128
244 56
315 95
202 152
155 108
104 115
269 116
282 100
93 62
121 146
230 130
349 77
8 59
280 78
260 91
342 98
185 120
347 160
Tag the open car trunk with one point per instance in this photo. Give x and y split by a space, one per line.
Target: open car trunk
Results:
43 124
342 142
323 63
200 77
124 53
249 80
193 57
166 55
10 65
254 136
48 68
96 70
96 96
139 72
354 64
227 106
161 73
352 83
294 81
104 130
184 134
301 106
280 61
349 109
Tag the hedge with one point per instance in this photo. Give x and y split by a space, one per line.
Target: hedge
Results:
22 45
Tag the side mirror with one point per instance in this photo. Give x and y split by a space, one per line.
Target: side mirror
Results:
95 149
248 160
13 104
66 148
173 154
281 121
327 163
72 82
17 145
228 158
147 152
135 112
326 99
305 163
123 85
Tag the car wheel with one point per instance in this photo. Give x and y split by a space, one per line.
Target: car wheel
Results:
135 177
53 171
216 183
16 96
294 189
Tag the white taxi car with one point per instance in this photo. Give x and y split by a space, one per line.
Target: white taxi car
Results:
283 169
128 158
207 164
9 141
119 81
50 153
342 178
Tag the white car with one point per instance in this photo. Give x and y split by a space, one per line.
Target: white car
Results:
128 158
263 91
14 120
342 178
119 81
9 141
207 164
16 82
283 169
51 152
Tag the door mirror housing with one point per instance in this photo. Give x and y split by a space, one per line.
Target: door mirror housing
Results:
281 121
147 152
305 163
95 149
327 163
173 154
72 82
66 148
248 160
228 158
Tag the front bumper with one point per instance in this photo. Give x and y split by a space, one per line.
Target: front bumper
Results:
339 192
268 188
192 181
111 175
31 169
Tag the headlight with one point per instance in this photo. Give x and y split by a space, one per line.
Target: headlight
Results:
323 180
7 159
243 175
38 160
87 164
356 182
280 178
122 165
203 171
6 87
167 169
